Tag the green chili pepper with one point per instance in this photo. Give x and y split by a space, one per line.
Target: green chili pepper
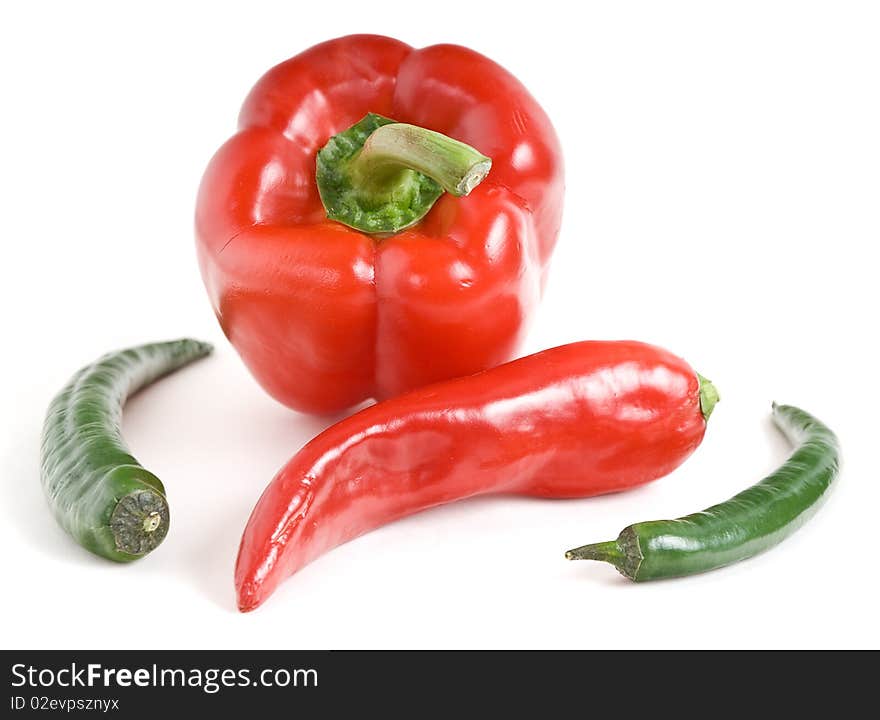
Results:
98 492
752 521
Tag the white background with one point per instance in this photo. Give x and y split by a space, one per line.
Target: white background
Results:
723 175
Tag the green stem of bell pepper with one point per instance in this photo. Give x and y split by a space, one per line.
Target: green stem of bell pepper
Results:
381 176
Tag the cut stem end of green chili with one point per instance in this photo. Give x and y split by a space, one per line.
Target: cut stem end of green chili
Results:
381 176
139 522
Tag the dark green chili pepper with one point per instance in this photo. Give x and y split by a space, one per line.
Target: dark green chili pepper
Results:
98 492
752 521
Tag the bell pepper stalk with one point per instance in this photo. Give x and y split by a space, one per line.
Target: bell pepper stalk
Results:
381 176
334 261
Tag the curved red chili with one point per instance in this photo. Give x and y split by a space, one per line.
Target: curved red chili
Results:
326 316
578 420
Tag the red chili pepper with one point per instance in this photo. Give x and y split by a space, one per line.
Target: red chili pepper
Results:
574 421
325 315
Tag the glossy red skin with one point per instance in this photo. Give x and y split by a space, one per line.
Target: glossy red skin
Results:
326 316
578 420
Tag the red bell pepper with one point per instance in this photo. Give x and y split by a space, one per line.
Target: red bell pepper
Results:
574 421
326 315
